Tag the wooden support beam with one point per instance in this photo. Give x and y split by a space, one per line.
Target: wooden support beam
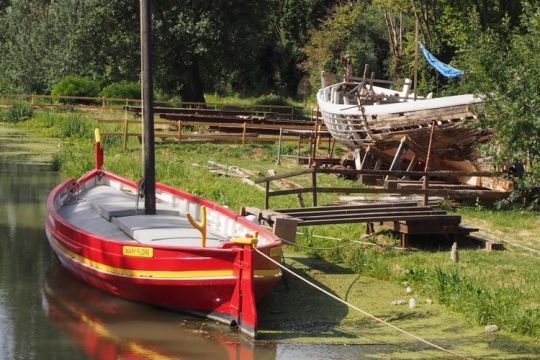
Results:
397 161
285 228
386 214
437 217
350 207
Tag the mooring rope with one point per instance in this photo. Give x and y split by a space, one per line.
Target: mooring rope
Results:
348 243
315 248
360 310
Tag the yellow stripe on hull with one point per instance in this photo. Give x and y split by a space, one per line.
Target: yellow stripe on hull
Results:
158 274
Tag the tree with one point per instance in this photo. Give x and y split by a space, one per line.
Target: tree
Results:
353 29
505 68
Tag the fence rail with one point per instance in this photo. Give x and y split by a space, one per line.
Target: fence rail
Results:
314 189
183 131
87 102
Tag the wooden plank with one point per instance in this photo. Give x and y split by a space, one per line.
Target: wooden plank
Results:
286 229
283 176
492 195
437 173
453 218
350 207
396 214
404 209
407 122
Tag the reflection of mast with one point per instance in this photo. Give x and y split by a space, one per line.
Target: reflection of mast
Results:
11 218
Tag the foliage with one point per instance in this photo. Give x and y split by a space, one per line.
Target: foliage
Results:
74 126
352 28
75 85
122 90
498 305
18 112
271 99
505 67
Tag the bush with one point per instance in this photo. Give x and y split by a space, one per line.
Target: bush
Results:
271 99
75 85
75 126
18 112
122 90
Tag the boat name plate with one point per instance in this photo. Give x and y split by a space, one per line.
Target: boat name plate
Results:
138 251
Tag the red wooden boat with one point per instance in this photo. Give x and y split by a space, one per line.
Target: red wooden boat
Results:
193 255
176 251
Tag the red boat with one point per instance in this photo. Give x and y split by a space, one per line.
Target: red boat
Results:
193 255
175 251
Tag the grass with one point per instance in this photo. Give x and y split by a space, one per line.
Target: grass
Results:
499 287
18 112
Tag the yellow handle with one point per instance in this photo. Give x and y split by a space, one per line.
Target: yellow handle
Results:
97 135
247 240
199 226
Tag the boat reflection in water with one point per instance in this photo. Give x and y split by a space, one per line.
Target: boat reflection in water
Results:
107 327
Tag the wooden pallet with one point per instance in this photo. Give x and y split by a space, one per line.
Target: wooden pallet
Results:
405 218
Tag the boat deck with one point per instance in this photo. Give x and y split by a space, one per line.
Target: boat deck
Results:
111 213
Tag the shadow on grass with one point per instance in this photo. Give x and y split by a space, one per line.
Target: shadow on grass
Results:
294 309
436 243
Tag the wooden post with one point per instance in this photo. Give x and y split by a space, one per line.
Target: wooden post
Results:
313 140
317 138
244 133
332 148
278 161
314 185
126 124
426 175
267 195
416 57
179 130
298 150
363 83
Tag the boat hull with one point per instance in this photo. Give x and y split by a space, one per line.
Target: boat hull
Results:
222 283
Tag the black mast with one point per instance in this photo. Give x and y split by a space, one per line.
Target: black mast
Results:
148 109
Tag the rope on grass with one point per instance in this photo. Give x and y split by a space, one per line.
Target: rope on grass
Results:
349 243
315 248
360 310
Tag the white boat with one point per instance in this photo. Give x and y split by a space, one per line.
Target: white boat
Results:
368 118
357 115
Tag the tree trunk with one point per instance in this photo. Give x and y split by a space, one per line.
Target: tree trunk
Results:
192 88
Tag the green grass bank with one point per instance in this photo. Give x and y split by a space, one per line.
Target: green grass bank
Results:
499 287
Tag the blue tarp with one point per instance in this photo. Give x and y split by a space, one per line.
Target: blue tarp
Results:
441 67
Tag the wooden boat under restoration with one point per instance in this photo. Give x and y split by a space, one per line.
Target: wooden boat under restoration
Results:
363 116
193 255
357 116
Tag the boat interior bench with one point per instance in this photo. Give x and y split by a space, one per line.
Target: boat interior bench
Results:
115 214
164 230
